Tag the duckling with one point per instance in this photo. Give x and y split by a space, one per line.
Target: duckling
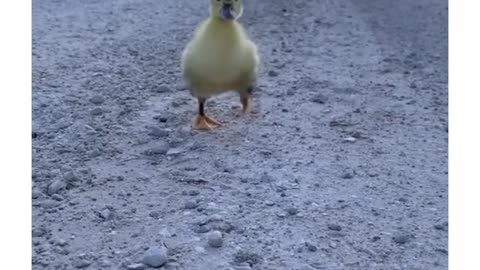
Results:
220 58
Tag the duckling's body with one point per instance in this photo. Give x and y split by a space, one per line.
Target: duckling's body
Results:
220 58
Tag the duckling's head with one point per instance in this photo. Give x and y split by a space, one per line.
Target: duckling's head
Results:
228 10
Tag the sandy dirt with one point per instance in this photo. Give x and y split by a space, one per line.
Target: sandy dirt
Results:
342 165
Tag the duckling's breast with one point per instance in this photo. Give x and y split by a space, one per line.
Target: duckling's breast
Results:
216 62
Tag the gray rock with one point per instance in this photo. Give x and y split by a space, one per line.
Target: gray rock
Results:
155 257
157 132
163 88
201 229
174 151
154 214
36 193
49 204
96 111
161 119
61 251
334 227
56 186
160 149
106 214
191 205
215 239
200 250
349 139
57 197
193 193
348 174
319 98
242 267
215 217
292 211
81 263
97 100
136 266
310 247
269 203
401 238
70 177
39 232
60 242
442 226
273 73
244 257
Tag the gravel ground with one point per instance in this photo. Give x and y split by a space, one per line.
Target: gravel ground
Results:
342 165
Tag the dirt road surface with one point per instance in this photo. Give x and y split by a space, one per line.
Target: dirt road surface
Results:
342 165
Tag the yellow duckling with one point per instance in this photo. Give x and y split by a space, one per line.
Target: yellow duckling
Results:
220 58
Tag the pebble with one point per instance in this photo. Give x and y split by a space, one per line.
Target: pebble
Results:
60 242
269 203
157 132
39 232
163 88
349 174
106 214
155 257
401 238
246 258
332 245
292 211
376 238
194 193
154 214
243 267
442 226
82 263
200 250
215 217
57 197
160 149
161 119
334 227
201 229
61 251
350 139
191 205
36 193
136 266
49 204
273 73
319 98
215 239
174 151
56 186
310 247
96 111
70 177
97 100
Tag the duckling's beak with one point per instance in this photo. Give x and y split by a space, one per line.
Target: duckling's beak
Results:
228 12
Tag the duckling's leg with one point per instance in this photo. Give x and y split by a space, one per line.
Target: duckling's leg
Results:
202 121
245 99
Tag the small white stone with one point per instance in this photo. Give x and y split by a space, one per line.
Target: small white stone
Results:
215 239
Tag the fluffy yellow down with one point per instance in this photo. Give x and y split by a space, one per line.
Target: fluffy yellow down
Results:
219 58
